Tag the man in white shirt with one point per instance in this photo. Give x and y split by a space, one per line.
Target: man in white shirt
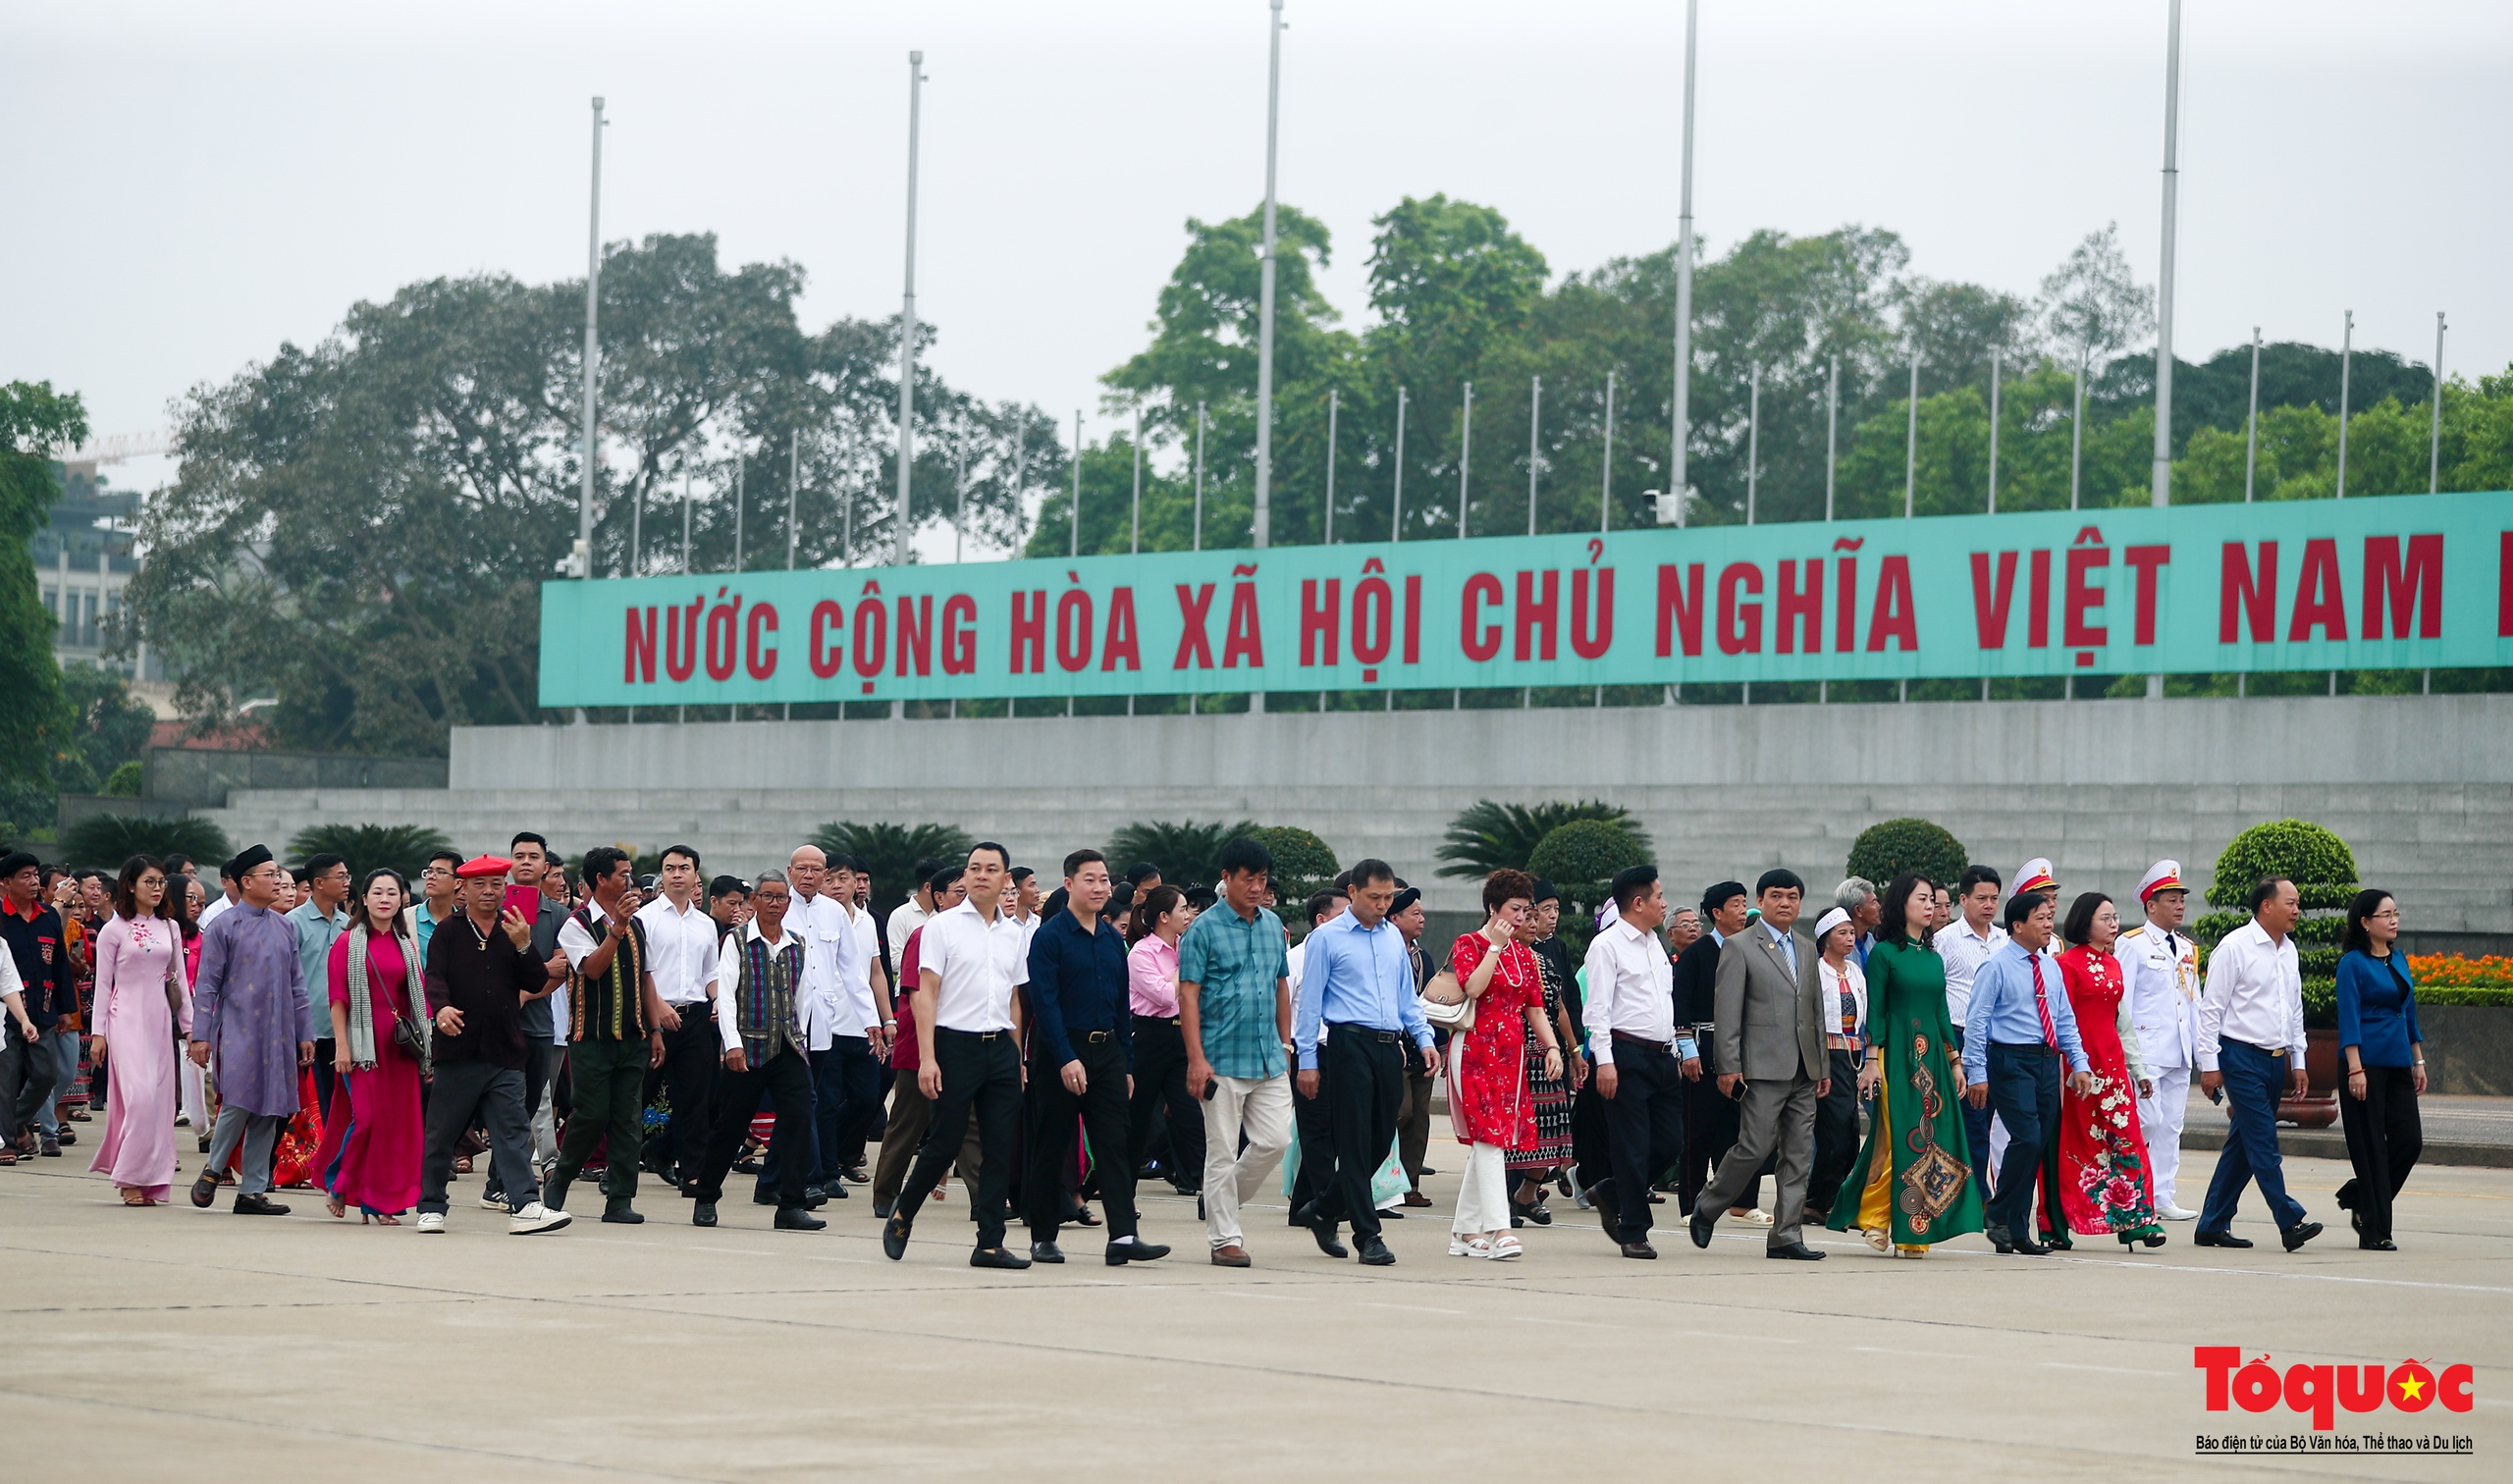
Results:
967 1032
680 954
912 914
230 893
2160 962
2251 1049
1966 944
1631 1033
847 1070
758 973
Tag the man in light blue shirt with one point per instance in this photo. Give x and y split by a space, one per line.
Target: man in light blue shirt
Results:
1358 980
2016 1031
319 921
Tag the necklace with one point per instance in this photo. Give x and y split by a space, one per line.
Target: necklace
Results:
1510 975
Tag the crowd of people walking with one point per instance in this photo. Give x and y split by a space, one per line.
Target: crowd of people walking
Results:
2021 1066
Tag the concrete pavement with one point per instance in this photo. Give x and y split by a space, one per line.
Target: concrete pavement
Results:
175 1343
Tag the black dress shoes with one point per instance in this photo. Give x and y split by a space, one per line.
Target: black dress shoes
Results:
1701 1226
703 1214
2376 1244
1323 1229
895 1238
1639 1249
1796 1252
881 1209
999 1258
760 1194
1045 1251
2020 1247
258 1205
1134 1250
2220 1239
623 1216
205 1189
1374 1254
798 1219
2300 1233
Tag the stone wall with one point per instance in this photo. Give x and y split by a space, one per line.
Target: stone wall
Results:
2422 787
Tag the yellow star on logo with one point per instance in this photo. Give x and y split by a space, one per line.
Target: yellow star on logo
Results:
2410 1387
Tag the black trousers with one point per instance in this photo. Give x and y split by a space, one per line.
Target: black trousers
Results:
1160 1098
465 1091
2384 1137
1591 1148
786 1079
1835 1135
1103 1109
981 1078
1644 1128
324 1075
1363 1087
692 1055
1313 1127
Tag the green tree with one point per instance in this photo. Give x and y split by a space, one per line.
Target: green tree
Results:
1303 862
1183 849
109 725
361 527
1888 848
36 422
1490 836
104 841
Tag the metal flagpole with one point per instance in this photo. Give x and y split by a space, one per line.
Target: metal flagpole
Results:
684 519
1199 479
794 494
1677 488
1535 418
2162 483
637 531
959 489
1265 297
1605 494
1832 429
2251 424
907 314
1396 514
1911 445
1994 431
2434 438
1133 538
593 362
1076 510
2346 350
741 463
1753 434
1334 402
2076 431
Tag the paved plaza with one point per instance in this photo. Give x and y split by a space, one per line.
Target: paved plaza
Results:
176 1343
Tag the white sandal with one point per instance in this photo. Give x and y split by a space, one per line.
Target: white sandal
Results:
1469 1246
1506 1247
1879 1239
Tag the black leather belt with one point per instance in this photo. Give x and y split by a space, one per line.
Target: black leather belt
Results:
1159 1020
1385 1037
977 1035
1097 1037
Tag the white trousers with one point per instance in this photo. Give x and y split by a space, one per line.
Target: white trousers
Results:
1484 1197
1262 1106
2161 1117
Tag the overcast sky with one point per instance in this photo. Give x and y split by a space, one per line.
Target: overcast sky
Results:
189 186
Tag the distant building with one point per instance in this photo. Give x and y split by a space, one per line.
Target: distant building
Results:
83 560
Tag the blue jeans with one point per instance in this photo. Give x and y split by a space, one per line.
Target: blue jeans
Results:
2254 1082
2024 1093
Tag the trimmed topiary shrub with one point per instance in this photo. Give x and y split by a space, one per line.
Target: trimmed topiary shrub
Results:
1303 862
1490 836
2323 870
124 781
1581 856
1889 848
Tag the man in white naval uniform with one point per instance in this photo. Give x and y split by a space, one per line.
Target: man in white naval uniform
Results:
2162 966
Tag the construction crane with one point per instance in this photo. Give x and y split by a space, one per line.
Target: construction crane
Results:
120 448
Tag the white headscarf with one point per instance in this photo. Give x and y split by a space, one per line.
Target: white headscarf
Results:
1828 921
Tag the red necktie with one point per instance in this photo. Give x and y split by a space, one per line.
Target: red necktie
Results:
2042 1003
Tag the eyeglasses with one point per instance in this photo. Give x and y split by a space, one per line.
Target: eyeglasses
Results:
2392 914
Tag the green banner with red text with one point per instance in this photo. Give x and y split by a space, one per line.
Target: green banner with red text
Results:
2399 582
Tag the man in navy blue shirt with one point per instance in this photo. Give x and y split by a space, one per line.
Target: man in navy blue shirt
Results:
1357 987
1080 1042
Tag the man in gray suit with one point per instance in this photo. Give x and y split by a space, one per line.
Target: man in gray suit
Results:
1769 1028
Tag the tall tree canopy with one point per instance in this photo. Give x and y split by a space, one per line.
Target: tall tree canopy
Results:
359 528
35 722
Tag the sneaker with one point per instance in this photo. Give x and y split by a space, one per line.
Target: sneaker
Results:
496 1203
536 1217
431 1223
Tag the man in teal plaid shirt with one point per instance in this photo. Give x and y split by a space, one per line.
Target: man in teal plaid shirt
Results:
1235 998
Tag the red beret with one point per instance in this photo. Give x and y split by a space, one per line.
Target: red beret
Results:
478 867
